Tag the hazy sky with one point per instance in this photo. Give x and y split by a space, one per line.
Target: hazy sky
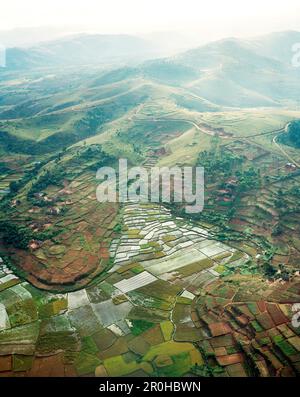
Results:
212 17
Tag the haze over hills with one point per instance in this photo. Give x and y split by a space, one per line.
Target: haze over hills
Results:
145 288
72 87
30 36
230 72
276 45
169 41
84 49
244 73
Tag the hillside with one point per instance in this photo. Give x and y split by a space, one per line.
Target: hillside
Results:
254 72
244 73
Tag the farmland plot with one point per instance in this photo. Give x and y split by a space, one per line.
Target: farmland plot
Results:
109 314
135 282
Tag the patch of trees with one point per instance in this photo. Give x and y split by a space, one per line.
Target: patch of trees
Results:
277 230
269 270
3 168
20 236
55 176
295 191
292 137
248 179
94 156
92 120
219 162
213 217
229 235
220 219
22 110
95 118
223 164
16 186
13 144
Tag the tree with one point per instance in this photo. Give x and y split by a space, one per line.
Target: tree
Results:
14 186
277 230
293 133
269 270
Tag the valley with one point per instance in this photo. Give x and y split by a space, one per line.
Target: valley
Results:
139 288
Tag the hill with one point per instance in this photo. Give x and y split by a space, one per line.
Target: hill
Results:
244 73
76 94
83 49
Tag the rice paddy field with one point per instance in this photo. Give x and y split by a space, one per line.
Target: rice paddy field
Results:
163 308
138 289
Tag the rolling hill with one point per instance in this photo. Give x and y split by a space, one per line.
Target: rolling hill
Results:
244 73
76 93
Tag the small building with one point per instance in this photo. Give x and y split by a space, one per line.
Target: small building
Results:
64 191
228 199
290 167
39 195
224 192
34 210
53 211
34 245
232 182
47 199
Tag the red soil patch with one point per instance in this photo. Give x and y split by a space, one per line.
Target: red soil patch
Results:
230 359
76 267
218 329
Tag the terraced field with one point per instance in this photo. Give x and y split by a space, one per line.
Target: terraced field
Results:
78 232
142 289
128 321
136 290
162 309
118 326
250 328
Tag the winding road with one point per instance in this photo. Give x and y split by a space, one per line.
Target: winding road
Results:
279 131
288 156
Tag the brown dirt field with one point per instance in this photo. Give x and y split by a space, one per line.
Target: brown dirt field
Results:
218 329
230 359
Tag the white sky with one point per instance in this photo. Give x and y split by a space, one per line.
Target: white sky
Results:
213 17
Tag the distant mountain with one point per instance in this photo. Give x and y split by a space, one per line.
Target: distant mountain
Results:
276 45
84 49
30 36
44 110
255 72
239 73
